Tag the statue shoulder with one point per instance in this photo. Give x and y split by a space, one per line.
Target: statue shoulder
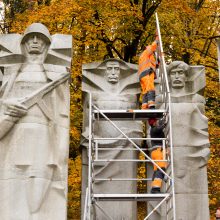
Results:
198 99
54 71
9 71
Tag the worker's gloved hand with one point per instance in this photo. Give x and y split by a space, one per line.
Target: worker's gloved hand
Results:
162 122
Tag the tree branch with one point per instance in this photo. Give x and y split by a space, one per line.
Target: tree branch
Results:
202 52
198 6
212 67
119 39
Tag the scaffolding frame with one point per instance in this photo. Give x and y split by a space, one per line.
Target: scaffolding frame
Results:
93 150
93 155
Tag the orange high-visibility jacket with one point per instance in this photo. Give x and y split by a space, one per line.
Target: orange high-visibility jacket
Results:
147 61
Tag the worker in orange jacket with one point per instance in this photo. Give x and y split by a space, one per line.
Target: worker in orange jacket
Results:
156 131
147 74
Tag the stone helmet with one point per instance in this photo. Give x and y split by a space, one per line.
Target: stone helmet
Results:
39 29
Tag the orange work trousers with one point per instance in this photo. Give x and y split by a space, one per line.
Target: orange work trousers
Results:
147 86
158 176
147 83
157 154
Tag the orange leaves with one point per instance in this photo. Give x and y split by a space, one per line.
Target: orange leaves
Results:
74 189
190 29
118 25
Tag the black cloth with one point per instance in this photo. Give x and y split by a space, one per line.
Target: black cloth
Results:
158 174
157 132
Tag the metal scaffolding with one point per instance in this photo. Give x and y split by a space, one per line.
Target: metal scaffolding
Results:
111 115
96 114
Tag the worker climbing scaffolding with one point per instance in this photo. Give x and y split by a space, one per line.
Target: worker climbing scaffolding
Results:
156 131
147 73
148 64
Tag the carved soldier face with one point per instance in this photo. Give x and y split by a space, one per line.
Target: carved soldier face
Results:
177 78
35 44
112 71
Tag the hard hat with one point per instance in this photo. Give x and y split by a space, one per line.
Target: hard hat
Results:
151 121
39 29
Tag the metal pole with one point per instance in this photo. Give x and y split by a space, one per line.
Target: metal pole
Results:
120 179
90 159
158 139
170 118
159 204
127 160
86 205
96 150
162 53
172 160
103 211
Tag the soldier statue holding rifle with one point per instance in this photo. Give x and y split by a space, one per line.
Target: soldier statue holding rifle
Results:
34 132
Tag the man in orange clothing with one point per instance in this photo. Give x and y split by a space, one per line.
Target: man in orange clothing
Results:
156 131
147 74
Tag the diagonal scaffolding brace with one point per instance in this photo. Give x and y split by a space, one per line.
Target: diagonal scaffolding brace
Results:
132 142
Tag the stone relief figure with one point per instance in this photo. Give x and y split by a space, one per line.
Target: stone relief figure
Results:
34 120
114 85
190 140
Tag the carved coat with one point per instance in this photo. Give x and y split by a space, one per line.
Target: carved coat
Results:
36 148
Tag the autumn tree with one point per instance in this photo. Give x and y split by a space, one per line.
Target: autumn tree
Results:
121 29
189 29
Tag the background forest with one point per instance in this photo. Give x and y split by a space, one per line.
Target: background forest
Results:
121 29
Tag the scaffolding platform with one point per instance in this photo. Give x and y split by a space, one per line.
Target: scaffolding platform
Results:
130 114
130 197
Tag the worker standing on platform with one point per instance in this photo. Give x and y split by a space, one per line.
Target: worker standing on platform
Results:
156 131
147 74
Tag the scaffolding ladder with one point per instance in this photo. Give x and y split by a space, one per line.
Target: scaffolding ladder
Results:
167 197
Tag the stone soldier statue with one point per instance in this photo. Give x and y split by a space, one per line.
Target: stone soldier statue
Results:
34 120
114 85
190 140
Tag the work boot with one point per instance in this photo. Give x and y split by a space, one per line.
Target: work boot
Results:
144 106
151 98
152 107
155 190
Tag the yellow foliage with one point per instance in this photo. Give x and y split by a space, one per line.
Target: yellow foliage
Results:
121 29
74 188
